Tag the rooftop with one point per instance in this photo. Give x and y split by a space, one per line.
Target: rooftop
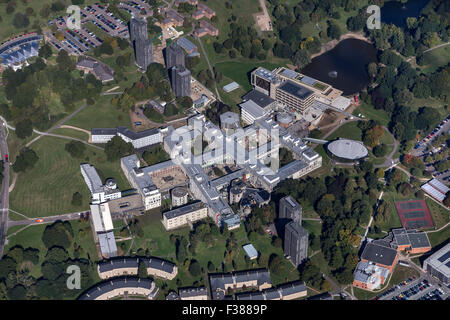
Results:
379 254
441 260
348 149
183 210
253 109
259 98
295 89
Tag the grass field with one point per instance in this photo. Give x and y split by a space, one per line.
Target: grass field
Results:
349 130
435 59
100 115
437 238
439 214
47 189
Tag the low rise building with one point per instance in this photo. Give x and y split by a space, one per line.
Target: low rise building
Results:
438 264
141 181
198 293
287 291
382 256
184 215
411 241
250 112
100 193
250 251
119 286
436 189
224 283
138 139
206 28
369 276
129 266
127 205
179 196
172 18
203 11
107 244
99 69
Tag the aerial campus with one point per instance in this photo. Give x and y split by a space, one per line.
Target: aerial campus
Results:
224 150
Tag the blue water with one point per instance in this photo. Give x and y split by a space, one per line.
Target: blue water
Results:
396 12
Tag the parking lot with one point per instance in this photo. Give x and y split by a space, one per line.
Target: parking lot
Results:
421 146
416 289
79 41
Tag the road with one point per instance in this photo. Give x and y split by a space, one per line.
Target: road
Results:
5 191
389 161
32 221
420 151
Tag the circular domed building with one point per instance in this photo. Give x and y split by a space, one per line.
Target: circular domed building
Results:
347 150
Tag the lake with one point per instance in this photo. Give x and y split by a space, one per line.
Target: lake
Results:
396 12
345 66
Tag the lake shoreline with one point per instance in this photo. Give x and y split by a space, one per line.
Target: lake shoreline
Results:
333 43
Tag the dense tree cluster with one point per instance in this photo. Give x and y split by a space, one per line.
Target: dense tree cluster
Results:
117 148
155 155
29 90
343 201
26 159
75 148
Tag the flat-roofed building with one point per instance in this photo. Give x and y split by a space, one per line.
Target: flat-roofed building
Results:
250 251
100 193
187 45
181 81
129 266
120 286
229 121
174 55
369 276
250 112
107 243
138 29
261 99
184 215
382 256
289 208
296 243
193 293
143 53
101 217
141 181
411 241
438 264
295 96
126 206
139 140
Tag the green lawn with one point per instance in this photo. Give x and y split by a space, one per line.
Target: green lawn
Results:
72 133
439 214
47 189
101 115
368 111
437 238
313 227
435 59
349 130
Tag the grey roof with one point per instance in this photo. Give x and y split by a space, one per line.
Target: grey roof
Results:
218 281
416 239
292 288
440 260
107 244
192 292
130 262
348 149
272 294
379 254
259 98
94 178
294 226
120 282
173 296
250 296
253 109
186 44
322 296
184 210
229 118
296 89
103 131
137 135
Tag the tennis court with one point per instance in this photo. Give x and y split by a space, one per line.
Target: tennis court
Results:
414 214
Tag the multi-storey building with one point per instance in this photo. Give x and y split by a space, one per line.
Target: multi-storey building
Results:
174 55
144 53
181 81
183 215
296 242
129 266
141 181
290 209
438 264
138 29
